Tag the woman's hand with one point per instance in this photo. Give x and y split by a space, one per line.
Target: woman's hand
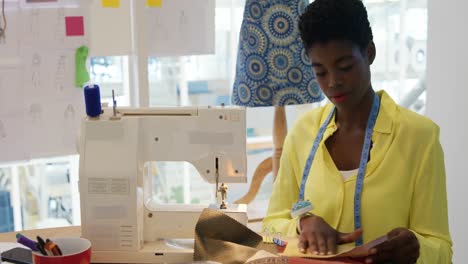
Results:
402 247
320 238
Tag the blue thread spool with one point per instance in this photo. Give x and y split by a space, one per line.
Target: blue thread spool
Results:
92 100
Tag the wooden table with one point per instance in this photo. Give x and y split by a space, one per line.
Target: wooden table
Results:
72 231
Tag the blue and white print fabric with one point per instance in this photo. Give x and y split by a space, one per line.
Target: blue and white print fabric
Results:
272 65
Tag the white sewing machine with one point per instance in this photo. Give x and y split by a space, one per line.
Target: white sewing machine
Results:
114 191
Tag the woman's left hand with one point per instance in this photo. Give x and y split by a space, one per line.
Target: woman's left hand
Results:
402 247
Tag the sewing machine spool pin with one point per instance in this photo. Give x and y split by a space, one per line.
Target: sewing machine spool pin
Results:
114 108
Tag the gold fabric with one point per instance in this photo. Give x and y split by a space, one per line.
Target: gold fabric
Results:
221 238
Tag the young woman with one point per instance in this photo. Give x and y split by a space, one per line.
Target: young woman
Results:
362 166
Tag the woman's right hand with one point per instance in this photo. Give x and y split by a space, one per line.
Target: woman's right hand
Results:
320 238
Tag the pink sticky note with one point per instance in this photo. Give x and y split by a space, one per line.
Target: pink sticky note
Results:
74 26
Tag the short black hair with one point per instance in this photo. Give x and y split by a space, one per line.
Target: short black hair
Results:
326 20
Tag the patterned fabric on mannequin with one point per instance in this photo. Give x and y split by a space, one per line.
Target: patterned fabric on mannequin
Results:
272 64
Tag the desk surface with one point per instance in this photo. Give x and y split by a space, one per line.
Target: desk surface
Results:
72 231
75 231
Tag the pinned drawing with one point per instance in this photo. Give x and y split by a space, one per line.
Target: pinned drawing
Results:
2 36
11 91
69 127
183 18
159 26
35 25
35 113
178 21
69 113
60 73
2 131
60 26
36 70
3 29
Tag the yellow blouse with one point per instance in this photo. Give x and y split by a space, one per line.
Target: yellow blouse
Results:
404 184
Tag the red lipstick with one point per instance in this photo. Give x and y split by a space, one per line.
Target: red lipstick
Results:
339 98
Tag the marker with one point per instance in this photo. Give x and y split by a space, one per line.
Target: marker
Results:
26 242
41 249
50 245
41 246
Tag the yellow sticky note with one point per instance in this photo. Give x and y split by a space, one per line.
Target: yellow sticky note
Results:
111 3
154 3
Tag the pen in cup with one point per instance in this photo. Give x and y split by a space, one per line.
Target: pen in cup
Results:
23 240
41 247
52 247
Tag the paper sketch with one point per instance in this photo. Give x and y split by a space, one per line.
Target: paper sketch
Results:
60 26
36 72
38 75
11 90
9 43
49 75
40 111
182 27
12 140
2 29
45 29
41 134
60 73
70 126
35 113
2 130
69 113
53 128
110 33
35 25
2 37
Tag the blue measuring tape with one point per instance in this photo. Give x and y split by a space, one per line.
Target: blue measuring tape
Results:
304 206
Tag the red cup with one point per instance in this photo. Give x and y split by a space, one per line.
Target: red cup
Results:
75 250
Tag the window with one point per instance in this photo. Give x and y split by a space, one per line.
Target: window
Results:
195 80
111 73
41 193
400 35
6 206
